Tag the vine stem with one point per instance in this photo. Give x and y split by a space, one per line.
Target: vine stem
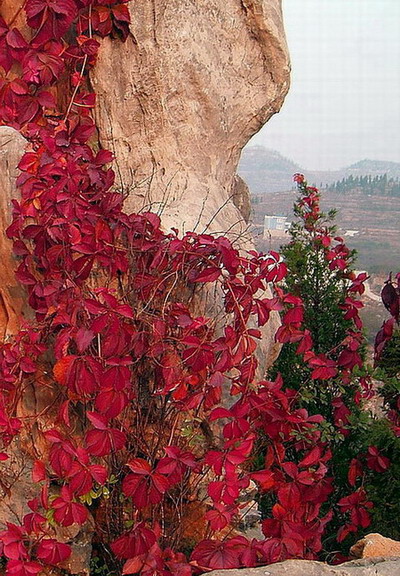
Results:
74 93
71 102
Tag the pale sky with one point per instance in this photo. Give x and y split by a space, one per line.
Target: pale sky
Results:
344 101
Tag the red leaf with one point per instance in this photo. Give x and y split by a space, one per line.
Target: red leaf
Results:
83 339
209 274
102 442
81 374
52 552
215 555
38 471
139 466
344 531
111 402
104 157
23 568
175 464
390 299
100 422
67 511
53 17
145 486
294 315
312 458
218 413
134 543
121 12
13 542
355 470
324 369
265 478
219 517
289 495
376 461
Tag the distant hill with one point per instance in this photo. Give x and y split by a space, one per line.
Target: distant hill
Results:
367 202
266 171
375 167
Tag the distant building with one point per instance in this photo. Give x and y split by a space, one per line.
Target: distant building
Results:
275 226
351 233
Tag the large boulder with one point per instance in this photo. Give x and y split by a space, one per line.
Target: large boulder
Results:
182 96
365 567
373 545
177 102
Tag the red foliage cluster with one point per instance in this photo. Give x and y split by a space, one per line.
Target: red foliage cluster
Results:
391 299
138 377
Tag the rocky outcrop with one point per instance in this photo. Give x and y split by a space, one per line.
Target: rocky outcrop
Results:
372 567
374 545
177 102
12 146
181 97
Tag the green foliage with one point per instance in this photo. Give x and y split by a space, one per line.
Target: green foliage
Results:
384 488
390 359
323 290
98 567
380 185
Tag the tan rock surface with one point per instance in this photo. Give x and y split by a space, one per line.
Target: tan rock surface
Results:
374 545
178 101
365 567
12 146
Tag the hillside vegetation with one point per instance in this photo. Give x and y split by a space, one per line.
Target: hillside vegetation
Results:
365 195
266 171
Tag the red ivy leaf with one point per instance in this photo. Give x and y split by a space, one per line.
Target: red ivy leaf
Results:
137 541
376 461
13 542
145 486
23 568
52 552
219 516
67 511
51 17
265 478
104 441
215 555
38 471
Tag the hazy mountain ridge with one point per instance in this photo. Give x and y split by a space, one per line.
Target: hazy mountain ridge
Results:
369 222
267 171
375 167
372 217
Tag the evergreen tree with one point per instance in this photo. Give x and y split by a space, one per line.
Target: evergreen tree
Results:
322 289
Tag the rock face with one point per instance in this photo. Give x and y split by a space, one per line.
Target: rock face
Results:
374 545
181 97
177 102
12 146
372 567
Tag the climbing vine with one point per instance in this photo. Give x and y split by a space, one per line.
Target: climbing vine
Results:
152 411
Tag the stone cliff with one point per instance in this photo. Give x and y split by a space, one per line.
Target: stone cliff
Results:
176 104
182 96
